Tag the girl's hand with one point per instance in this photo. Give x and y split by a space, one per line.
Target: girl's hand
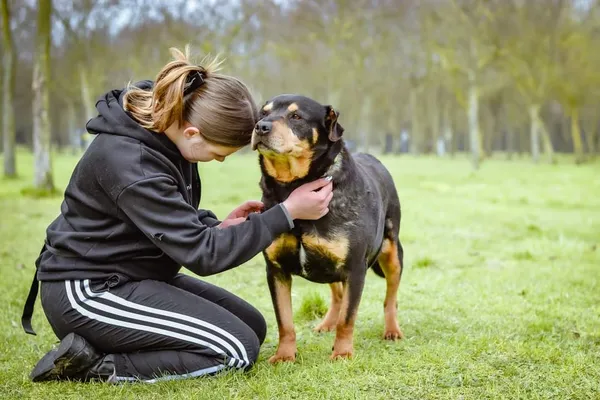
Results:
246 209
239 214
311 200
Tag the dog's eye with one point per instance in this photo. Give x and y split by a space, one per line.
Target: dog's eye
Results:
296 116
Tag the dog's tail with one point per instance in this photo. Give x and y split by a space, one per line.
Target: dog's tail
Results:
377 269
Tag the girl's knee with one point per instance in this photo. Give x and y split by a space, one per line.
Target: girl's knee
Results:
239 343
255 320
260 328
253 348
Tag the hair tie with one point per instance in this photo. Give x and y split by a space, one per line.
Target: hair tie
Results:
193 82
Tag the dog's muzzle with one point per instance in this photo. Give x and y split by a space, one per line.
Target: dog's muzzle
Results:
261 130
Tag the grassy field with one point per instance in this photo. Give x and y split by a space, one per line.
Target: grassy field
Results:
500 296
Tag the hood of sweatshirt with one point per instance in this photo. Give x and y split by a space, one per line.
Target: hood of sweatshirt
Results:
112 119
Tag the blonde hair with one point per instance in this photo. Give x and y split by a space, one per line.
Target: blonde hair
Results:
221 108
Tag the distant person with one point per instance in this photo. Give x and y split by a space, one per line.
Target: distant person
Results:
404 141
441 147
109 270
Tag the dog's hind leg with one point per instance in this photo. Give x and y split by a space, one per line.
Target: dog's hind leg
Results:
390 260
331 318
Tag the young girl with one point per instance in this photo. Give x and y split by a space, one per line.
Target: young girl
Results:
109 270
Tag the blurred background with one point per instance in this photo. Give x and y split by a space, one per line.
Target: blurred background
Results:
484 111
485 77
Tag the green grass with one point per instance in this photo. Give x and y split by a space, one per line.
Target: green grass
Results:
500 296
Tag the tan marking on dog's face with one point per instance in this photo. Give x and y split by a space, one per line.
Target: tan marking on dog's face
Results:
293 107
268 107
335 249
286 243
315 135
282 140
286 157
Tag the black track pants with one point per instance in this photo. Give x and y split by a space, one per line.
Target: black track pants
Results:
158 330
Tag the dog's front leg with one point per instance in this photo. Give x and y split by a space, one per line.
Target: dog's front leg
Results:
280 286
353 287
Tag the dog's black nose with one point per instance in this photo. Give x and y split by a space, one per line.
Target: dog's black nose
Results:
263 127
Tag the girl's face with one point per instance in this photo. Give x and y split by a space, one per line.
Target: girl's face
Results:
195 148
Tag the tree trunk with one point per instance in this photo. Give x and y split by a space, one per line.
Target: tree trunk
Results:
548 148
391 129
391 126
364 124
43 179
449 130
590 137
495 127
473 116
388 146
8 94
589 134
74 135
416 133
510 135
576 135
86 97
1 110
489 134
435 114
534 110
521 136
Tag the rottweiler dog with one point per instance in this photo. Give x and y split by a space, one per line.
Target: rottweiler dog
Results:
300 140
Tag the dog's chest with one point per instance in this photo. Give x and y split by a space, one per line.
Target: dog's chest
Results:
316 257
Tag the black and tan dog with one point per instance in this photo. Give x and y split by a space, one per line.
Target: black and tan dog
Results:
300 140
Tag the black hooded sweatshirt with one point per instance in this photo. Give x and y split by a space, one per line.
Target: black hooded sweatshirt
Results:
131 208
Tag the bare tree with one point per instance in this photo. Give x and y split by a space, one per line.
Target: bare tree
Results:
480 75
529 56
577 77
43 179
8 93
468 49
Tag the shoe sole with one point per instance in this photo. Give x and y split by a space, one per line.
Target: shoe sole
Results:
52 365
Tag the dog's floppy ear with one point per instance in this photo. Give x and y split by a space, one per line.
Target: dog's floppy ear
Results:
331 123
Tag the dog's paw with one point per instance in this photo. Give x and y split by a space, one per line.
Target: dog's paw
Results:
325 326
393 333
283 356
342 349
342 353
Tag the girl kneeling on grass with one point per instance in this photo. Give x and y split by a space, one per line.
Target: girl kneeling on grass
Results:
109 270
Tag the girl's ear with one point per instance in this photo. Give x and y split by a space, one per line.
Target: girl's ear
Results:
190 132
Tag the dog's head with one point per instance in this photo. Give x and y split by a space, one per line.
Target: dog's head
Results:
292 132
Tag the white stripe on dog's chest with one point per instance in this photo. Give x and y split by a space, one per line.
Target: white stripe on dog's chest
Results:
302 256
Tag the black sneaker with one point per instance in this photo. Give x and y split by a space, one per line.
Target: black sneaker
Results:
73 360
